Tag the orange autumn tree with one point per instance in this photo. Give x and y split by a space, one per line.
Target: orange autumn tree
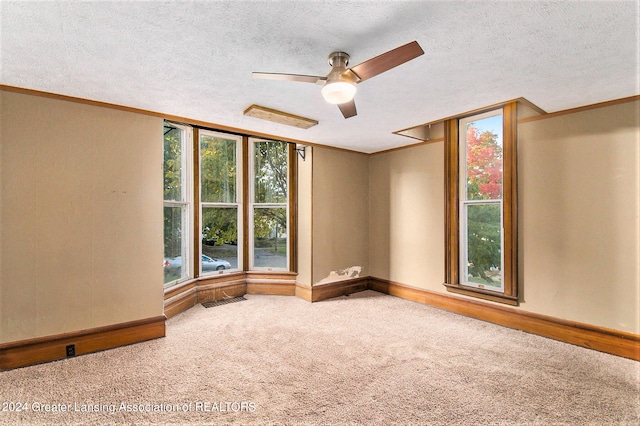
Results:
484 165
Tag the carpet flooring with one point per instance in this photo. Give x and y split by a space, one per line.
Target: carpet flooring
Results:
363 359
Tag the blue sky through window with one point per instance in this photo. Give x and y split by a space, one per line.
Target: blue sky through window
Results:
492 124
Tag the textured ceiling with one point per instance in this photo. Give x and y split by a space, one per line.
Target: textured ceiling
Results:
194 59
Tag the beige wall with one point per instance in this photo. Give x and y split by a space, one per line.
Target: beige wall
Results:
579 207
305 170
579 228
81 210
340 211
406 213
1 214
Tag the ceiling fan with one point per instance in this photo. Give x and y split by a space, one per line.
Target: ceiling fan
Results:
339 86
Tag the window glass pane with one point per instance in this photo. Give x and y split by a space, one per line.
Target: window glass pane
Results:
172 163
217 169
270 237
484 242
174 247
219 238
484 158
270 171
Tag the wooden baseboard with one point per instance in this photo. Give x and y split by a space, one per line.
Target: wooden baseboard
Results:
338 288
272 283
271 288
282 284
51 348
180 302
602 339
221 287
212 287
303 292
221 291
182 297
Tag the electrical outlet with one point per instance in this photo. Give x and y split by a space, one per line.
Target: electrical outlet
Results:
71 350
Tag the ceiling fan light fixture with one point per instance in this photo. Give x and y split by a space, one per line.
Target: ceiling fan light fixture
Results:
340 84
338 92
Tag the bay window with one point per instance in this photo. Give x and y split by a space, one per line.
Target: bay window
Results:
227 204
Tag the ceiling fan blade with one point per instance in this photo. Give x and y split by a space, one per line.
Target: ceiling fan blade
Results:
348 109
387 60
289 77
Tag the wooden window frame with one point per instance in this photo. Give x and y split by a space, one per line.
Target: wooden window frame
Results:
509 208
293 205
194 212
239 203
187 202
290 204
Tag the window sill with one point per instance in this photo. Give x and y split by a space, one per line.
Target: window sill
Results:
482 294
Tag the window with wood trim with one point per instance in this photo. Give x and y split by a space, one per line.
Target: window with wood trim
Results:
178 203
269 199
481 221
220 170
229 203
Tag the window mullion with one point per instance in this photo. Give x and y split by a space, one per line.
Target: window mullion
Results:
195 188
246 204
